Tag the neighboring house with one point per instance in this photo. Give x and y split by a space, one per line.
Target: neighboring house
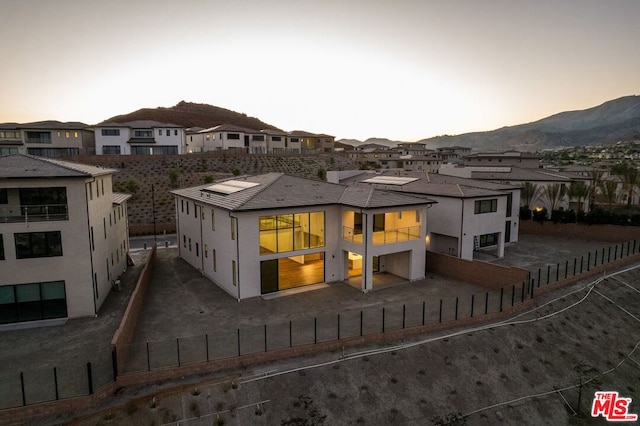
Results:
312 142
507 158
51 139
468 216
141 137
542 178
63 239
228 137
267 233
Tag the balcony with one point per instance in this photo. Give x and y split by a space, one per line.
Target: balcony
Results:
387 236
36 213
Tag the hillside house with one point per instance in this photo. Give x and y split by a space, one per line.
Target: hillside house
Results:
269 233
140 137
63 239
51 139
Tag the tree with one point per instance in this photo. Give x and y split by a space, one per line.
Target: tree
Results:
609 190
529 193
629 177
131 186
553 194
578 191
174 175
595 177
209 178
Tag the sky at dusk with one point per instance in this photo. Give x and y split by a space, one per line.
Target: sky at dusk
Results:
404 70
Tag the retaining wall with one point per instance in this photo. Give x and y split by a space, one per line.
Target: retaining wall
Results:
608 233
483 274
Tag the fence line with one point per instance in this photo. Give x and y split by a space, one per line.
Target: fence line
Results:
21 389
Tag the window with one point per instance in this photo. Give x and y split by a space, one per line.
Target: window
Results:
75 135
184 241
182 206
160 132
289 232
104 224
93 244
44 201
206 251
195 210
111 150
257 138
175 132
213 220
276 138
67 135
488 240
486 206
31 302
187 207
4 196
509 203
110 132
197 249
189 244
235 136
233 228
38 244
142 134
215 265
38 137
1 248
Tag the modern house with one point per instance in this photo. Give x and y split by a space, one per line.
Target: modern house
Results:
262 234
503 158
469 215
141 137
63 239
51 139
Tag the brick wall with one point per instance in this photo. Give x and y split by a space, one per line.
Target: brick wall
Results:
608 233
483 274
124 334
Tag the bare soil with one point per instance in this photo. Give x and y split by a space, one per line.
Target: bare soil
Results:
524 371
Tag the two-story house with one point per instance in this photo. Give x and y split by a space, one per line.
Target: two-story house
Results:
261 234
63 239
51 139
140 137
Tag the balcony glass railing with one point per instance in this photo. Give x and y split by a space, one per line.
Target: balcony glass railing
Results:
387 236
38 213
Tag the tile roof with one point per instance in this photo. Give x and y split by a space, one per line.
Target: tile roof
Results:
20 166
518 174
138 124
277 190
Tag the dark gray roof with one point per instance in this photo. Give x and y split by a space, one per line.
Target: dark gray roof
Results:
120 197
46 125
138 124
277 190
20 166
525 175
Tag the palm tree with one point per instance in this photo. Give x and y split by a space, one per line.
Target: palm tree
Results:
578 191
528 194
595 176
609 189
629 177
553 194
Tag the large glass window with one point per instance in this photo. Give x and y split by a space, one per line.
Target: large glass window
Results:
4 196
38 244
488 240
110 132
111 150
38 137
291 272
48 202
289 232
31 302
486 206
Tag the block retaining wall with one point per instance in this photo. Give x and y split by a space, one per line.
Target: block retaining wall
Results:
607 233
475 271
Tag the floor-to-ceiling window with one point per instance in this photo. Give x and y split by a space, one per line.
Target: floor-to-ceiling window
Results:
291 272
31 302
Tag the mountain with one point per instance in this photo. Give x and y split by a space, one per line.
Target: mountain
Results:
190 114
612 121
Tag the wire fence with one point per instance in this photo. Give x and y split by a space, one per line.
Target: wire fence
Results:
67 381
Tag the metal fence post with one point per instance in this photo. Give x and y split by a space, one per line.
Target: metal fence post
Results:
90 378
588 261
55 381
423 311
501 294
558 271
383 319
206 343
538 277
338 326
472 298
24 398
361 322
238 342
291 332
615 252
404 312
575 260
456 316
178 349
609 255
440 319
532 289
148 358
315 330
486 303
548 273
581 263
513 294
566 268
522 296
265 337
114 365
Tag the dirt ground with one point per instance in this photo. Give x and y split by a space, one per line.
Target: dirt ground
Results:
524 371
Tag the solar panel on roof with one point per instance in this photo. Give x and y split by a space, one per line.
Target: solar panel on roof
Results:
231 186
390 180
